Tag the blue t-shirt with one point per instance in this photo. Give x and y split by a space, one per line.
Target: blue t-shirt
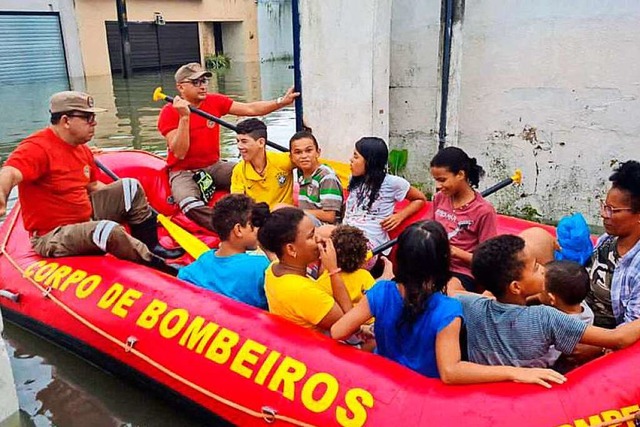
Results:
515 335
239 276
413 347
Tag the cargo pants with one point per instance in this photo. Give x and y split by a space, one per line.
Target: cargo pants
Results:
186 192
120 201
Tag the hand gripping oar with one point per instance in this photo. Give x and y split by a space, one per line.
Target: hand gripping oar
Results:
190 243
342 169
516 178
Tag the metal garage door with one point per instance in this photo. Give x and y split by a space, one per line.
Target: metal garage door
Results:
153 46
31 47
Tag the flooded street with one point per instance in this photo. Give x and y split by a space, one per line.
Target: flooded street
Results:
56 388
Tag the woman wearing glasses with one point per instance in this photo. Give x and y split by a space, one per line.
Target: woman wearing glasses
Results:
614 296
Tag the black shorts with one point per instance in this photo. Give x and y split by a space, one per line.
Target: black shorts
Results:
468 282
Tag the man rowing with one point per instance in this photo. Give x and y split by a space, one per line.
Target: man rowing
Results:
194 142
65 209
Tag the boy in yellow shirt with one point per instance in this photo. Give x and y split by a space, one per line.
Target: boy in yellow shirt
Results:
263 175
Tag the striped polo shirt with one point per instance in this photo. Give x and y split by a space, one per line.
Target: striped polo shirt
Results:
322 190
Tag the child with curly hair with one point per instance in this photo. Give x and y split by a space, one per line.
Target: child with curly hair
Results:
351 253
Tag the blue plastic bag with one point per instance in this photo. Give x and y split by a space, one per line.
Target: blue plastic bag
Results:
574 239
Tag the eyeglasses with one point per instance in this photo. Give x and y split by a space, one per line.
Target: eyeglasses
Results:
89 117
607 211
198 82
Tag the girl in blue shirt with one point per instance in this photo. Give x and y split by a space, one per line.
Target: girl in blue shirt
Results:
417 325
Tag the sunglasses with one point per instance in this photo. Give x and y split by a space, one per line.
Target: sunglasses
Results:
89 117
198 82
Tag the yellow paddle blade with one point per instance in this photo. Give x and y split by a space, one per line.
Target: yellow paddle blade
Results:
342 170
158 95
190 243
517 176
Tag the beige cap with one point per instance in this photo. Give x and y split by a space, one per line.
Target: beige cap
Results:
72 101
191 71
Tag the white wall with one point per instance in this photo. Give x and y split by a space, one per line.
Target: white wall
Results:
275 29
414 83
8 399
552 87
345 71
68 23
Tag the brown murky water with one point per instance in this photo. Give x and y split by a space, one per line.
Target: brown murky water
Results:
56 388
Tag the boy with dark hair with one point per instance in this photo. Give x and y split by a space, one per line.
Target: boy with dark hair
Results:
263 175
566 284
230 270
505 331
320 193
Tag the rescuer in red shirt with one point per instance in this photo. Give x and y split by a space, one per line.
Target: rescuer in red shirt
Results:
194 142
65 209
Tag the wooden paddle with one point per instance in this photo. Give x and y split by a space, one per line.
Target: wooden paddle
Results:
190 243
342 170
516 178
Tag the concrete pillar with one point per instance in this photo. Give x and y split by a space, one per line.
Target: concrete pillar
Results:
9 399
345 91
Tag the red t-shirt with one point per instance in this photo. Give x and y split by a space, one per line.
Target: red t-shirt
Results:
204 135
467 226
55 174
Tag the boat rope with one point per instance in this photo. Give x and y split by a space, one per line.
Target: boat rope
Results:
269 416
635 417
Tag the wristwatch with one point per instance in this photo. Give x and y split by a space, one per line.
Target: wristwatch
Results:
279 100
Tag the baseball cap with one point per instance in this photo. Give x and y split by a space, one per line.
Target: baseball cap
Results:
191 71
72 101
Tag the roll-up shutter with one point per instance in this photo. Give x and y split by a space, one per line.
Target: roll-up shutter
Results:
154 47
31 47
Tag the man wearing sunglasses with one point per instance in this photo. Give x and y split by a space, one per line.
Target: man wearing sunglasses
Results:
66 210
194 142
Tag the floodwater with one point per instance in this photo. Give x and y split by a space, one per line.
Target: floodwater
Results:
56 388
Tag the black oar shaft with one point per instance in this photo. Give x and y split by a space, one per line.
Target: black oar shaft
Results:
221 122
113 176
499 186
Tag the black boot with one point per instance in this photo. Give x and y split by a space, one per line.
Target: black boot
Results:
147 233
159 264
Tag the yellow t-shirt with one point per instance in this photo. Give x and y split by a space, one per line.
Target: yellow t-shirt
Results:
296 298
273 187
357 283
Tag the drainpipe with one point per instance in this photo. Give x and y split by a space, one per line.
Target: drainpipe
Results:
297 74
447 13
123 26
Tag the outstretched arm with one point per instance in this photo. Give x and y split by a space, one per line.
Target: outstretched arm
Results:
9 178
260 108
454 371
417 202
614 339
351 321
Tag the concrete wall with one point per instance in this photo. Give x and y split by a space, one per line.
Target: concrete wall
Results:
9 399
414 83
553 88
68 23
345 71
550 87
275 29
92 14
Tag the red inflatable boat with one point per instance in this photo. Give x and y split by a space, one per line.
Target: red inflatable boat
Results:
246 366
